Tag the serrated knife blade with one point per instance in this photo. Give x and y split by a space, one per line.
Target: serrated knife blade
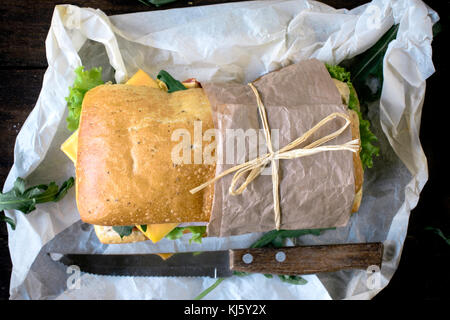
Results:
296 260
192 264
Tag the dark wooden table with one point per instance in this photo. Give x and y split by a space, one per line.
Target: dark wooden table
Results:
423 270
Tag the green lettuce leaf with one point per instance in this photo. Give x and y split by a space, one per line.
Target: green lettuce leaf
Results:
85 80
196 231
368 150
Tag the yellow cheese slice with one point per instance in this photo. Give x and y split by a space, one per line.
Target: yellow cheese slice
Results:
69 147
141 78
155 232
165 256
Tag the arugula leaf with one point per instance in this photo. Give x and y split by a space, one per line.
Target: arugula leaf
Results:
123 231
437 28
367 68
197 233
8 220
172 84
368 150
275 238
243 273
85 80
19 185
144 227
25 200
439 233
64 189
209 289
297 280
156 3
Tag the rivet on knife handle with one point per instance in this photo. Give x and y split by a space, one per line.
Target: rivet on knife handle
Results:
307 259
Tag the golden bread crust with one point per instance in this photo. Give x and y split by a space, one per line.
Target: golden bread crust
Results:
357 163
124 172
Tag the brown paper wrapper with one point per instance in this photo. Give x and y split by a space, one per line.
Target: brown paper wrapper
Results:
315 191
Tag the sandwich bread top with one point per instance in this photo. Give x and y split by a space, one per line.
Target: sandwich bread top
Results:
125 174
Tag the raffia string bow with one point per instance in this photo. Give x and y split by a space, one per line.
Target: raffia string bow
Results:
253 168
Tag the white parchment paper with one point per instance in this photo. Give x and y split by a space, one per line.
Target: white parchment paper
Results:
228 42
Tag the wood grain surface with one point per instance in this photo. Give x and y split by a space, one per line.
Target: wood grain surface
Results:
307 259
24 26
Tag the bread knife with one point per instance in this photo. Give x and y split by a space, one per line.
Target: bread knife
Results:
295 260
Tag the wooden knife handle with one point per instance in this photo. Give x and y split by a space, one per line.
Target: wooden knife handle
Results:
301 260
